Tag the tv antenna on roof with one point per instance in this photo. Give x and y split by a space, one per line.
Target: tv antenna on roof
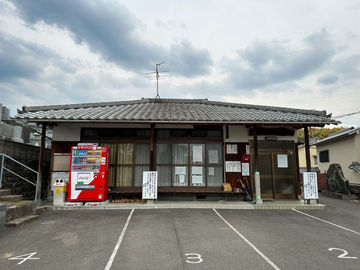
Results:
157 77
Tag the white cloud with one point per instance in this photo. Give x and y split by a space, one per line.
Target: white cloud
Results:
258 52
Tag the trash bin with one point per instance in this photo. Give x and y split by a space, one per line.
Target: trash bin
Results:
60 191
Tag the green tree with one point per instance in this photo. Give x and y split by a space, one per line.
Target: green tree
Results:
317 133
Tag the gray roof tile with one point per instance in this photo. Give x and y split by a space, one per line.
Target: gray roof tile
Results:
174 110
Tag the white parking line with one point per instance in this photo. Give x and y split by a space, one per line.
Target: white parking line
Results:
328 222
112 257
248 242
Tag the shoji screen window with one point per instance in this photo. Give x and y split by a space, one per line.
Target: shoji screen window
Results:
214 162
180 158
197 160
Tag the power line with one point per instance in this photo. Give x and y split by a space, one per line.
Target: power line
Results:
348 114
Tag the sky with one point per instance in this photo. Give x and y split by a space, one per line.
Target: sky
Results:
298 54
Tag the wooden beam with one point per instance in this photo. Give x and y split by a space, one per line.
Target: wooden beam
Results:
41 159
307 149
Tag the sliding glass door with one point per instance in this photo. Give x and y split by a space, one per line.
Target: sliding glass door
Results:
189 164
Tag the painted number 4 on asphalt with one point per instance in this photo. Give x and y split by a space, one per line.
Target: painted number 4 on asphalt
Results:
25 257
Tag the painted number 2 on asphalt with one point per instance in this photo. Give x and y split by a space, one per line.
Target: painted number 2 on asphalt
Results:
193 258
344 253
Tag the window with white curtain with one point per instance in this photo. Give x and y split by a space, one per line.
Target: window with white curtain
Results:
128 161
163 163
142 162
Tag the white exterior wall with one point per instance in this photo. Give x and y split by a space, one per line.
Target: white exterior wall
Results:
72 132
237 134
343 152
241 134
357 146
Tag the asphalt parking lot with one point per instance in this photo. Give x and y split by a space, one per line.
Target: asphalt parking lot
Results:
188 239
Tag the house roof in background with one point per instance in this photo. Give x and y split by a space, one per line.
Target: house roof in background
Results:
355 166
173 111
339 135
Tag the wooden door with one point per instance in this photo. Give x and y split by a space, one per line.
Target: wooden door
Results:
284 174
266 175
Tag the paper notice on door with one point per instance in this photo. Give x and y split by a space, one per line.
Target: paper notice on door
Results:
213 156
231 149
197 170
233 166
197 153
247 149
282 161
245 169
197 179
211 171
181 178
180 170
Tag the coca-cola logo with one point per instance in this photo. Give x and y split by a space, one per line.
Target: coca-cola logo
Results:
83 177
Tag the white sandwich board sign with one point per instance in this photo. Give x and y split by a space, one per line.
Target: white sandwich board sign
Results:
149 186
310 185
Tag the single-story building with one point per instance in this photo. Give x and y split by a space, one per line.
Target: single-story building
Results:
342 147
196 145
302 158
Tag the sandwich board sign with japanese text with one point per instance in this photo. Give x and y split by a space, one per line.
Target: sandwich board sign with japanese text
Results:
149 187
310 185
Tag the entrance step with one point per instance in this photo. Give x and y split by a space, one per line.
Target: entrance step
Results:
40 209
11 198
20 221
5 192
19 209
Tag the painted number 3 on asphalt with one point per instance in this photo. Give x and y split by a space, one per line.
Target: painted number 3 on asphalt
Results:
193 258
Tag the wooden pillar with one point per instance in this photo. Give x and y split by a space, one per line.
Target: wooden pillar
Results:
152 148
256 151
41 159
297 166
257 173
307 149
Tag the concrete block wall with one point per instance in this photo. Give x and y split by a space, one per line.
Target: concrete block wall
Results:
23 152
2 215
5 113
28 155
6 130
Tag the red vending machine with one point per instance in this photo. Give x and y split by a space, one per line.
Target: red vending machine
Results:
89 168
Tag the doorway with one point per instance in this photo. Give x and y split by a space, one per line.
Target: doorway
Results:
277 174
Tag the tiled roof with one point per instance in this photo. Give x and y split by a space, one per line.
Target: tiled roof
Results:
339 134
355 166
173 111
